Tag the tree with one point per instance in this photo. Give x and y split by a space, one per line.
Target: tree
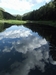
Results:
1 14
2 9
46 12
18 17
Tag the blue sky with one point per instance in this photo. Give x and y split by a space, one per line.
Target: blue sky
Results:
21 6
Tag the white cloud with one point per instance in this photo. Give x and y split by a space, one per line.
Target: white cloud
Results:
20 5
15 32
33 57
28 40
31 45
40 1
48 1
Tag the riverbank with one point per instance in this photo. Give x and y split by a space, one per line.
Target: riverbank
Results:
13 21
50 23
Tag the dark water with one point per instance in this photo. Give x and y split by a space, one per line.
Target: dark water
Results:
27 50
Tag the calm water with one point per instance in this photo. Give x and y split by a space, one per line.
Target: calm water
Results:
27 50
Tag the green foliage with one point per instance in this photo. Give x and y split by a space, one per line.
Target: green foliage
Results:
13 21
2 9
8 16
1 15
5 15
18 17
46 12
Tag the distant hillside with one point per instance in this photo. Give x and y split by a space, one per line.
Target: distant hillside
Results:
18 17
46 12
5 15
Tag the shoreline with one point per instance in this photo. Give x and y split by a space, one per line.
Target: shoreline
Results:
49 23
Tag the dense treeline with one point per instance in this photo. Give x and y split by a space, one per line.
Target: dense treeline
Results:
1 13
46 12
6 15
18 17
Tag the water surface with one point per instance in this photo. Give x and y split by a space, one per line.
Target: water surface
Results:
27 50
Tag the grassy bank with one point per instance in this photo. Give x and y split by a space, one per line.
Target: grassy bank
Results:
13 21
50 23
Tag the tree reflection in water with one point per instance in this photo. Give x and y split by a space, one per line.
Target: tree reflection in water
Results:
24 52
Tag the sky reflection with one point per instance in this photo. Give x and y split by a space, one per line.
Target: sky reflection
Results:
25 50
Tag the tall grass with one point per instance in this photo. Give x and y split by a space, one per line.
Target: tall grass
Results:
13 21
50 23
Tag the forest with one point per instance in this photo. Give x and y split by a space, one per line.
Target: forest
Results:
46 12
6 16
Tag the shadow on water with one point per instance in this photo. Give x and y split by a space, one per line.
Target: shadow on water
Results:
3 26
45 31
49 33
27 50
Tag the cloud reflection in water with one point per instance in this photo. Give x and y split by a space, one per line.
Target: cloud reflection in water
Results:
33 47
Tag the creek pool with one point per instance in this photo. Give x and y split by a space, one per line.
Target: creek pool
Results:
26 50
